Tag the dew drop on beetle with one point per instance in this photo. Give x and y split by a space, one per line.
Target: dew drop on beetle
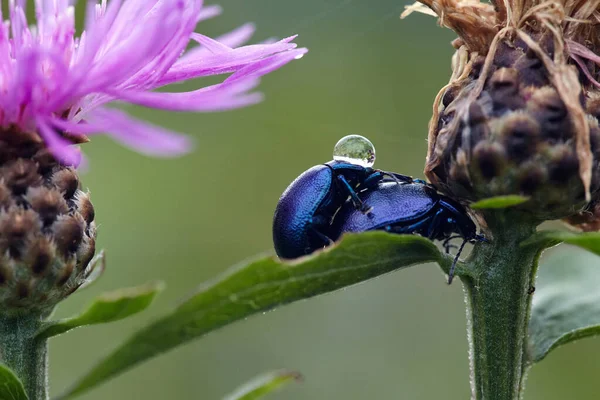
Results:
355 149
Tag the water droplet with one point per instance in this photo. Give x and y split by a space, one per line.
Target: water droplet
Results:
355 149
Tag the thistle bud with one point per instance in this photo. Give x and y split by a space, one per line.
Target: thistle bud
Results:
47 229
520 113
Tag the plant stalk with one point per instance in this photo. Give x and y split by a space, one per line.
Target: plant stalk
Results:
25 355
498 298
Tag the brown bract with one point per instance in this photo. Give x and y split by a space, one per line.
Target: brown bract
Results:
520 113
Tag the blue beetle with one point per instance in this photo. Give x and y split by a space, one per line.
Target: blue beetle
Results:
415 207
305 211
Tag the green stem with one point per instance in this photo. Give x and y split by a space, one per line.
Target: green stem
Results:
25 355
498 297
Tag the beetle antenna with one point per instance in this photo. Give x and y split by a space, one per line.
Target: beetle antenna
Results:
453 266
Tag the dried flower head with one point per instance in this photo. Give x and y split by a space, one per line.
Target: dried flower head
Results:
520 113
56 84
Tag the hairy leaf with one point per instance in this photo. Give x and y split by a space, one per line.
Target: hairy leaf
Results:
588 241
11 388
499 202
566 304
109 307
262 385
262 285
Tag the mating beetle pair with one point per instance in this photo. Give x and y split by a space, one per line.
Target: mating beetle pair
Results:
347 195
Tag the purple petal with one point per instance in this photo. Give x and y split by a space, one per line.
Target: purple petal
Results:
211 45
53 81
60 148
191 101
236 37
224 96
221 63
265 66
209 12
232 39
140 136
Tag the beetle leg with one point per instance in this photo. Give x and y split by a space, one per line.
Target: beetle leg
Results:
326 239
396 178
451 247
373 179
358 203
433 226
399 178
453 266
414 228
447 245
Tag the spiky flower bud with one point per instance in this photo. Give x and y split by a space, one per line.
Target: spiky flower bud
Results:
520 113
47 229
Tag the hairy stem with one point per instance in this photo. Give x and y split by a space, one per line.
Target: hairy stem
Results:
498 297
25 355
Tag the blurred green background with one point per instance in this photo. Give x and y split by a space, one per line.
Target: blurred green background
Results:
187 220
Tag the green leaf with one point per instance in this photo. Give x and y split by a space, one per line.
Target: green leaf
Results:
566 304
11 388
262 385
263 285
499 202
109 307
588 241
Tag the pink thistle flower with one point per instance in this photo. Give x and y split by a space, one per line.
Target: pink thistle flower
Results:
59 85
